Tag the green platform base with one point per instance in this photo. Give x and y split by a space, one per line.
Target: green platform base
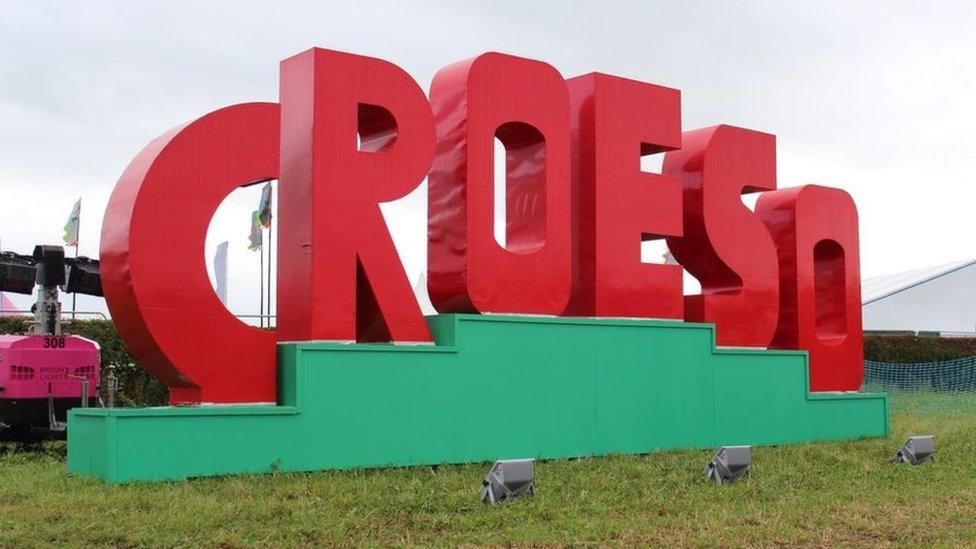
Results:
493 387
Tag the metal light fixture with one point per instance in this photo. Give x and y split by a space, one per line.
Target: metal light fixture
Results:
508 478
730 463
49 261
916 450
84 277
17 274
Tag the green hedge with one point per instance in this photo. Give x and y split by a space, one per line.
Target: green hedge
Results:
137 387
913 349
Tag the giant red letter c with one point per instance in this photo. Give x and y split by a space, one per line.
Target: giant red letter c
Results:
152 257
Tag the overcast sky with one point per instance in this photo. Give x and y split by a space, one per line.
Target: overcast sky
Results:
873 97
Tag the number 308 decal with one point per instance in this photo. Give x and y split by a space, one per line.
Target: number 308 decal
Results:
54 342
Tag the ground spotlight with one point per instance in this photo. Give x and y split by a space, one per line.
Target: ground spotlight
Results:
916 450
508 478
729 464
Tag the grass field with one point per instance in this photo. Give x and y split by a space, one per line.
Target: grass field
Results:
819 494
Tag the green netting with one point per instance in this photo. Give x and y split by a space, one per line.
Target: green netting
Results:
936 387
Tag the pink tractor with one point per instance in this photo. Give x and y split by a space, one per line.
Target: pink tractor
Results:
45 372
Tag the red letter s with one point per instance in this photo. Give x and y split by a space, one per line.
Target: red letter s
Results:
725 246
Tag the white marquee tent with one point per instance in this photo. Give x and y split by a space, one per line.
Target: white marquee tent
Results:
937 299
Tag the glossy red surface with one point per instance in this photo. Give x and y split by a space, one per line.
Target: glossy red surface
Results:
816 235
615 122
786 276
524 104
342 278
152 256
725 246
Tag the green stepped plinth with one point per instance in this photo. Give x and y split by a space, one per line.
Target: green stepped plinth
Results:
493 387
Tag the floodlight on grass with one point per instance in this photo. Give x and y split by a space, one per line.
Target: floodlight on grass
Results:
508 478
916 450
729 464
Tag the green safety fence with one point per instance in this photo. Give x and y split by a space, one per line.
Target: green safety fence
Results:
947 386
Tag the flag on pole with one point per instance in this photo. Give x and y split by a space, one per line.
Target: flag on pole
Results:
256 235
71 227
220 270
264 208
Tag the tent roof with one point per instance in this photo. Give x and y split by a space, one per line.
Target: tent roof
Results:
7 305
880 287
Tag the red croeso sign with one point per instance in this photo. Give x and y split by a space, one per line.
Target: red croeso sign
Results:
351 132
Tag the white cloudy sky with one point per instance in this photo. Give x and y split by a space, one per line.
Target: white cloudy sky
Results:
873 97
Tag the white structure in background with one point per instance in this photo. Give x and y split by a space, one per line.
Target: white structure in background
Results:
7 307
938 299
423 298
220 271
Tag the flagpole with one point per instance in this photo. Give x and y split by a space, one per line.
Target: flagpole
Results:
269 272
74 295
261 270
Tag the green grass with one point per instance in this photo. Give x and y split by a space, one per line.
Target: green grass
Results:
819 494
932 403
